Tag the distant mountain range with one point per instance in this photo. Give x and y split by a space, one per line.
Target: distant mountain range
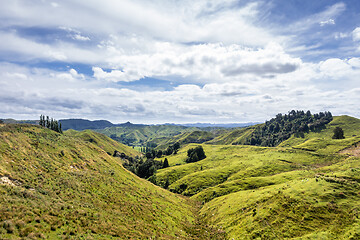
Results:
82 124
219 125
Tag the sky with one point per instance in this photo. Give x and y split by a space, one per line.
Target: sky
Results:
178 61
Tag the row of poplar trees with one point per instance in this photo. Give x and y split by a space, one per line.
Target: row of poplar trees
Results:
50 123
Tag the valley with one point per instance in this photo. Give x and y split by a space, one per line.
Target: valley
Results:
73 186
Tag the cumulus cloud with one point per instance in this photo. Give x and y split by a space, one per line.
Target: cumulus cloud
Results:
116 75
202 62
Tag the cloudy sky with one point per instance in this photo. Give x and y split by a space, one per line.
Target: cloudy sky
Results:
179 61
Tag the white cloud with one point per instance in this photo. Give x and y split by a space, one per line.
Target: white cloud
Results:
200 21
340 35
201 63
116 75
255 98
80 37
327 22
356 34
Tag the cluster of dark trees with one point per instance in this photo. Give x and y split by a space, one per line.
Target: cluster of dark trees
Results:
147 168
195 154
152 153
143 169
281 127
50 123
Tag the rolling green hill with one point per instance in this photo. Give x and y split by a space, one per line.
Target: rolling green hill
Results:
132 134
195 136
160 136
236 136
306 188
67 186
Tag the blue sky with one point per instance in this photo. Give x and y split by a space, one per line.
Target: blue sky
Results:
178 61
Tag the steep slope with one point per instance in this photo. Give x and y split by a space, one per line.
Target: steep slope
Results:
58 186
306 189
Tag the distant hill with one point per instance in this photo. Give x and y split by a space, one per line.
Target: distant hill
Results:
219 125
195 136
82 124
10 120
136 135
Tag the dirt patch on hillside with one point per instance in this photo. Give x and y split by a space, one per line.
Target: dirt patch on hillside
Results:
352 151
6 181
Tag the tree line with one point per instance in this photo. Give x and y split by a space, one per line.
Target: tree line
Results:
280 128
50 123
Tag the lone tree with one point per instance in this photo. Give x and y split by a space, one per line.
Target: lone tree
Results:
195 154
165 163
338 133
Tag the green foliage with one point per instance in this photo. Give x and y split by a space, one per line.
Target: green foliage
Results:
338 133
280 128
172 149
195 154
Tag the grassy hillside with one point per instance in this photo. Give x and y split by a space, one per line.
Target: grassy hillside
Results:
307 188
102 141
55 186
235 137
322 141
